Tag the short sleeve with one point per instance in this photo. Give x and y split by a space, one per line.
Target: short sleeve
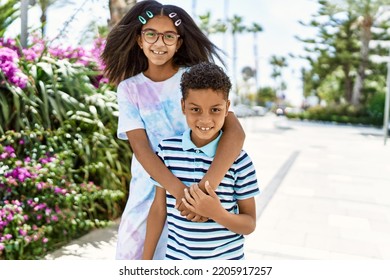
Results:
159 153
246 179
129 114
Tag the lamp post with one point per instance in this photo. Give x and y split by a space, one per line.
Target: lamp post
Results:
381 12
387 103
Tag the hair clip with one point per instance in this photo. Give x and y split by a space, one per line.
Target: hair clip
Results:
141 19
149 14
178 21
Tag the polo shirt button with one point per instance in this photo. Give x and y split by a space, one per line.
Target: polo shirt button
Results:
197 151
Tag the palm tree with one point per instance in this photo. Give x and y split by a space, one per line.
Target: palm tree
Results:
255 28
211 28
236 28
367 10
278 63
44 5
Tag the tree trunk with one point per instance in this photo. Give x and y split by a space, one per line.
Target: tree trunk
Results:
365 38
118 8
43 20
348 84
24 22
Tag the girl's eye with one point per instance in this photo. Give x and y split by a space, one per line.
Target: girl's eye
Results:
215 110
150 34
169 36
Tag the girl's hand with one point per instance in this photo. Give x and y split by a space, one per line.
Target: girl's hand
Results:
206 205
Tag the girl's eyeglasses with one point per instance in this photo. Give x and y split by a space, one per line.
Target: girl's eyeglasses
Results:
151 36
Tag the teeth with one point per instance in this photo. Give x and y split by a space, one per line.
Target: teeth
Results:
158 52
204 128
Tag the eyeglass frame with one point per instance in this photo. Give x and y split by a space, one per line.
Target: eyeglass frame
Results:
159 34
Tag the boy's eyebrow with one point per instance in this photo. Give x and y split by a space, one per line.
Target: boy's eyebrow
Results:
216 105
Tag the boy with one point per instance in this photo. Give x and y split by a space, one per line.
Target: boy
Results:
231 207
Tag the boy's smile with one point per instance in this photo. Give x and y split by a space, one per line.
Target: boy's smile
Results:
205 111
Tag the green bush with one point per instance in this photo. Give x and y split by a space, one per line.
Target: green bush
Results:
375 107
42 206
63 171
340 114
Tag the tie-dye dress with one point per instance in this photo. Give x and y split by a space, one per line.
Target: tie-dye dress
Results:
155 107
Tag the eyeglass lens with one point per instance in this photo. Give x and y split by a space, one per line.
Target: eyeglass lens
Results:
169 38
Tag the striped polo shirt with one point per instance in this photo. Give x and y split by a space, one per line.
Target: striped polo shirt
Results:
208 240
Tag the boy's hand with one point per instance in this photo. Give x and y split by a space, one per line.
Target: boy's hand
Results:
191 216
206 205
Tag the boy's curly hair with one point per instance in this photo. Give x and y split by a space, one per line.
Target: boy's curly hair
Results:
205 75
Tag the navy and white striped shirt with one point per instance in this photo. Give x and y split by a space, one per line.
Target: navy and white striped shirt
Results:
208 240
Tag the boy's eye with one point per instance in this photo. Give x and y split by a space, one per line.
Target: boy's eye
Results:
194 109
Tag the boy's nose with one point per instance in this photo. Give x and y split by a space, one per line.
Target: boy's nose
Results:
205 118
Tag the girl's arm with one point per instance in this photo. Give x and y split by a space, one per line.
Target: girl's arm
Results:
210 206
155 223
229 148
140 146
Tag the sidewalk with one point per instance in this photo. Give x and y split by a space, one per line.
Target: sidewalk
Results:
325 194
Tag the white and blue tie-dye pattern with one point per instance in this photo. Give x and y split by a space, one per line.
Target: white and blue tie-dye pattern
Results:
155 107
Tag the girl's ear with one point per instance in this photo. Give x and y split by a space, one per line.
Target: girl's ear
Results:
179 43
139 41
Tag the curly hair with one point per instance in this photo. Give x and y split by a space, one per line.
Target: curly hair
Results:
122 56
205 75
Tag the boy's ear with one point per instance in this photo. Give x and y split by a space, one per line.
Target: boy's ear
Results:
227 107
182 105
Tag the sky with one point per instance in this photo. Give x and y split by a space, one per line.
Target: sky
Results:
278 18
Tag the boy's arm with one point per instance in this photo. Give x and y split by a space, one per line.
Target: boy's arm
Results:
155 223
229 147
210 206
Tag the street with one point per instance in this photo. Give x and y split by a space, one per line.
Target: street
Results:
326 190
325 194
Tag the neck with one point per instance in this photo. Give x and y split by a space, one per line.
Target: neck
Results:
161 73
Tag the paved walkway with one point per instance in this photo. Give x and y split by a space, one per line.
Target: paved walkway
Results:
326 194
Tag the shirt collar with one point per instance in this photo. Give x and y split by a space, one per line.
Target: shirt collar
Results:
209 149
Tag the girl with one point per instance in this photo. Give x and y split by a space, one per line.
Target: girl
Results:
146 54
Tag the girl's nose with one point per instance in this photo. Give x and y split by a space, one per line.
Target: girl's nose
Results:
160 40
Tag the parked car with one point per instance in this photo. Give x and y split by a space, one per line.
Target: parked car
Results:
260 110
243 111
